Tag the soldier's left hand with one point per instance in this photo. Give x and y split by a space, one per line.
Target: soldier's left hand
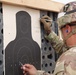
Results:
47 22
29 69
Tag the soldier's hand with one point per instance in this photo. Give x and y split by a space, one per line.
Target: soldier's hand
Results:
29 69
47 22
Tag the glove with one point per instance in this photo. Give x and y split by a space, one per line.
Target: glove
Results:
47 22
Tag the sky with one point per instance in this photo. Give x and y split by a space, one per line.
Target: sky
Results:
64 1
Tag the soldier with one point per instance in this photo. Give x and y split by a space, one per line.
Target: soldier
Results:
55 41
58 45
66 64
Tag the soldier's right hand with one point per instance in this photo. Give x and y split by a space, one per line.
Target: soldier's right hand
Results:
47 22
29 69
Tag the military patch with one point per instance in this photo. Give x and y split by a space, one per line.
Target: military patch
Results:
66 7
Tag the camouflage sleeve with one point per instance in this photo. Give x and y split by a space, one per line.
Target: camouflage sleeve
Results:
66 64
40 72
56 43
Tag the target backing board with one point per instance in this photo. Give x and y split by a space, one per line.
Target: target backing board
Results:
22 41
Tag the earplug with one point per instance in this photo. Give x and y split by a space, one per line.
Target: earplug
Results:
66 31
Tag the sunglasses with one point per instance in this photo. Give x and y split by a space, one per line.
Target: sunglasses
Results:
70 24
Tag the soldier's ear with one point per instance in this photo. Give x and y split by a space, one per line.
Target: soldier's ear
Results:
68 29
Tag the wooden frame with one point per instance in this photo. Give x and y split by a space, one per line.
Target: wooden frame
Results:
37 4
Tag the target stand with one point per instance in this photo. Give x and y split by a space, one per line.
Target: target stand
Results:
21 41
23 48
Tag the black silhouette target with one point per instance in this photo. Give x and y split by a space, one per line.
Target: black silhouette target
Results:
23 49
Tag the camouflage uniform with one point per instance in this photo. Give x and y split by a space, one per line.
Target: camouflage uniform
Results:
66 64
56 43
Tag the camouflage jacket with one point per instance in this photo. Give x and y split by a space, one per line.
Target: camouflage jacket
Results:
66 64
56 42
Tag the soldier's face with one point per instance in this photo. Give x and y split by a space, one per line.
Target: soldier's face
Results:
64 34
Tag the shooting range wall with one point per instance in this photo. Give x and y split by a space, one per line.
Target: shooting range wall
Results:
22 35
